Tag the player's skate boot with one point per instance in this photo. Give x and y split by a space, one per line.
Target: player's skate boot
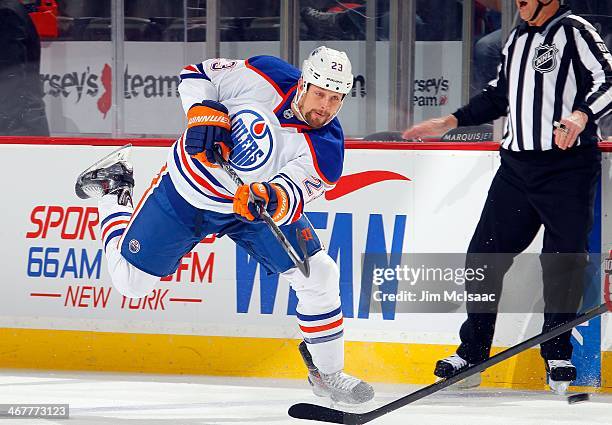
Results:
338 386
113 174
451 366
560 374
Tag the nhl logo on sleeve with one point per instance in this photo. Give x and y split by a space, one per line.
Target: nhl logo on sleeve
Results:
134 246
545 58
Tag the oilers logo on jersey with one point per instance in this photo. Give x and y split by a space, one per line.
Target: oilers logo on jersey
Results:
253 140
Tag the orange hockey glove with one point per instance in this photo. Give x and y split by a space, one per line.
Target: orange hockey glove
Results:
208 124
271 197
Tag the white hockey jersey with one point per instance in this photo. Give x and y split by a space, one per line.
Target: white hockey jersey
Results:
270 144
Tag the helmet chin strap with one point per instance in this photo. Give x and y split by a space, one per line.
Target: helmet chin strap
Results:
296 100
539 9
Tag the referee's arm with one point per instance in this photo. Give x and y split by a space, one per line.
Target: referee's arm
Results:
486 106
596 62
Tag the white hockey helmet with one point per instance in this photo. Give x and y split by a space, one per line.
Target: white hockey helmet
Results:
329 69
326 68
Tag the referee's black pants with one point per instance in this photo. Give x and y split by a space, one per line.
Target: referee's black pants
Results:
532 188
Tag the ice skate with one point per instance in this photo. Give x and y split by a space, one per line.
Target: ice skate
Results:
339 386
560 375
451 366
113 174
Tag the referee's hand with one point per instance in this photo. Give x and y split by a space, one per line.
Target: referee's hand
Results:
569 128
431 128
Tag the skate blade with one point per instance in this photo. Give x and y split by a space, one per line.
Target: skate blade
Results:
341 402
365 406
119 155
320 393
468 383
335 402
559 387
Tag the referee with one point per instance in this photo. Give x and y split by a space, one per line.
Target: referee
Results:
554 83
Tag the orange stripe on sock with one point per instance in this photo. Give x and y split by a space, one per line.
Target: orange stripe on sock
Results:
313 329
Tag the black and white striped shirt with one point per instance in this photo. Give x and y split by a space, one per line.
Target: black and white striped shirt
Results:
545 74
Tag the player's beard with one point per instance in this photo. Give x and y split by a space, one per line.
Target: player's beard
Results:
315 120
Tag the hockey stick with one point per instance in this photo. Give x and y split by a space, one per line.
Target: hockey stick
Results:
324 414
302 265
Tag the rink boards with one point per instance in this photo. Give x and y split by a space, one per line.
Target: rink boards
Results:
218 315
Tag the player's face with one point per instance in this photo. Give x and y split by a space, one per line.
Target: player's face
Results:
318 104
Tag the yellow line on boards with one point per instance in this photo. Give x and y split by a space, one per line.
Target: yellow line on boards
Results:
396 363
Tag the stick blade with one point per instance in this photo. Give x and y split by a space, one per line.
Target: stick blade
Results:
323 414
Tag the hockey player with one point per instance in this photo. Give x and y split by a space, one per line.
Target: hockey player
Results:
277 128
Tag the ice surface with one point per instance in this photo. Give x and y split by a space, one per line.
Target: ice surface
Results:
130 399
